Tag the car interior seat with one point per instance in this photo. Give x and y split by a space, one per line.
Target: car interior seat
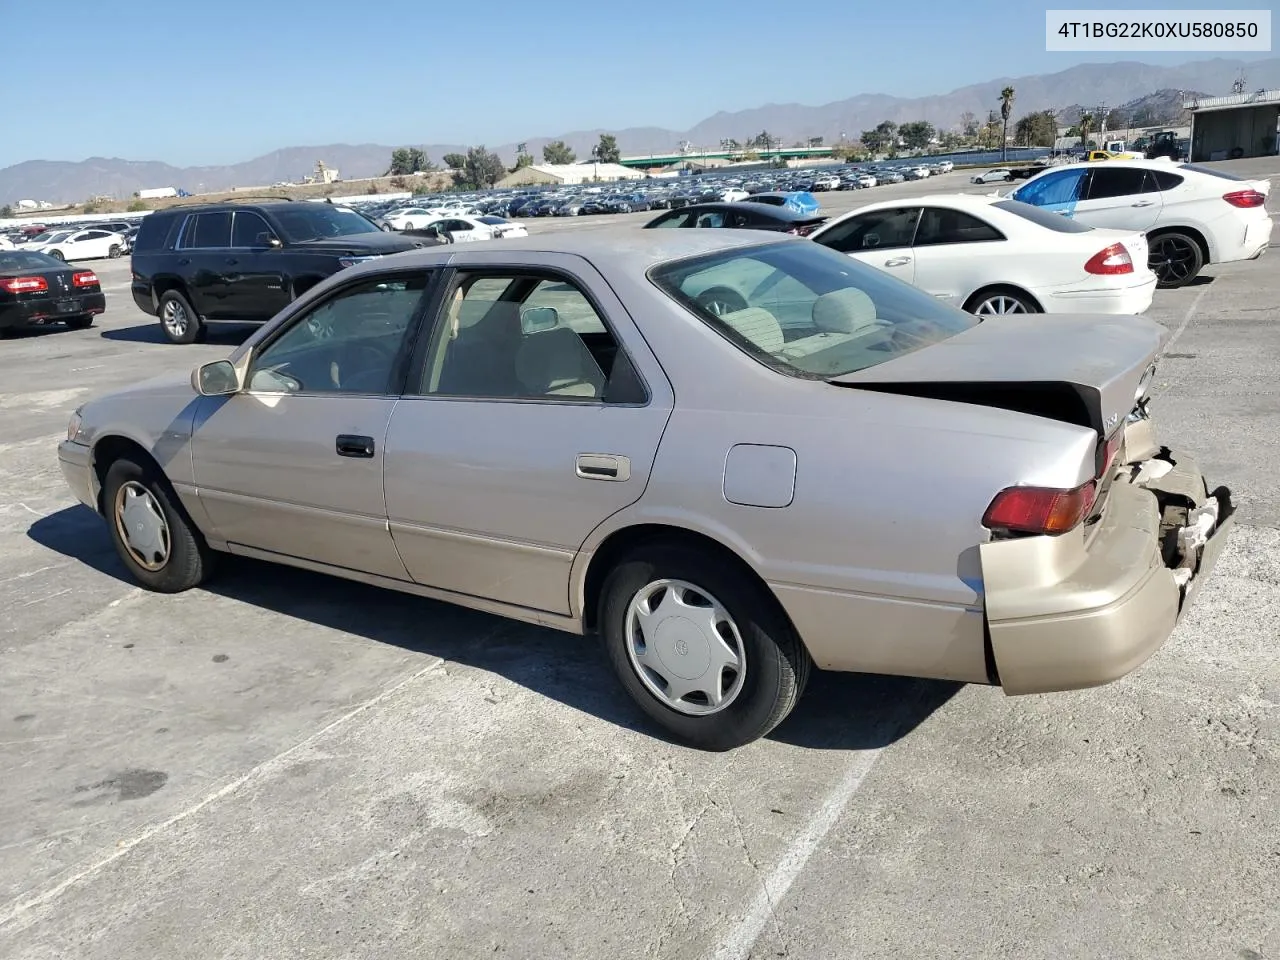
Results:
556 363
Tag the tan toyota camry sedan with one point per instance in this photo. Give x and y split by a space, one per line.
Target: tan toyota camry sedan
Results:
732 456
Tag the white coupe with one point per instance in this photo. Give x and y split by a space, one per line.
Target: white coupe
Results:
91 244
1191 215
992 255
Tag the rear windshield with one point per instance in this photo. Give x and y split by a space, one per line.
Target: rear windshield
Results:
16 261
806 310
1211 172
315 221
1044 218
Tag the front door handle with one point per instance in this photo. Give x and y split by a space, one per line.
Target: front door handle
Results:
351 445
897 262
603 466
1144 203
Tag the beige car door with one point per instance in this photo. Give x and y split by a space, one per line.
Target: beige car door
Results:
537 416
292 465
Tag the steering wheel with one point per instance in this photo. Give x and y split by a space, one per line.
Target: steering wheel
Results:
357 359
718 301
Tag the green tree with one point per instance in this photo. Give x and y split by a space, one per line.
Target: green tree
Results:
1038 129
1084 128
481 169
606 151
916 134
135 206
6 211
522 160
968 124
557 152
401 162
1006 109
882 138
454 161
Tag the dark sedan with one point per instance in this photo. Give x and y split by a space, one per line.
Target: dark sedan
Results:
36 290
740 216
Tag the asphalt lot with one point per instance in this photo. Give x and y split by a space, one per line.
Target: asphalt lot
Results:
286 765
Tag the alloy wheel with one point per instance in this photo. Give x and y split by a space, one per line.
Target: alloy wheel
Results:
175 319
1171 259
999 305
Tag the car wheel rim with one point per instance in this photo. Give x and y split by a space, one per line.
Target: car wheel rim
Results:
142 527
175 318
999 305
685 647
1171 258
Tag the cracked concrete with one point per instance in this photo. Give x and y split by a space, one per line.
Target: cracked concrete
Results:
287 765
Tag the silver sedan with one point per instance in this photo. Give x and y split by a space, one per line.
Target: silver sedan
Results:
734 457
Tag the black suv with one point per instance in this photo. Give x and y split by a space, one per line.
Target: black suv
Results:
242 262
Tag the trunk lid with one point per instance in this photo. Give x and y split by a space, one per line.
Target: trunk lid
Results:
1087 370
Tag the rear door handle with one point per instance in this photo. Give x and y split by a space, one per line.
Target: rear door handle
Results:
604 466
352 445
1144 203
897 262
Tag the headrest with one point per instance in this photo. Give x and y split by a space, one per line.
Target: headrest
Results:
844 311
758 325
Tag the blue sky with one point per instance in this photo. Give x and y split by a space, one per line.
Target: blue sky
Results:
219 81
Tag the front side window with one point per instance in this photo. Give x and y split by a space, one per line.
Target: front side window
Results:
350 343
250 230
519 337
1050 189
806 310
878 230
939 225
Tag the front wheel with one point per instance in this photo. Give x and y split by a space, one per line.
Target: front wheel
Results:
181 324
699 648
1175 258
151 532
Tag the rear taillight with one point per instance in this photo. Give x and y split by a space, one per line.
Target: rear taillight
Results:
85 278
24 285
1107 452
1039 510
1111 260
1245 198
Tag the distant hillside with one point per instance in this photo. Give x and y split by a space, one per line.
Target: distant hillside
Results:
1162 108
1128 84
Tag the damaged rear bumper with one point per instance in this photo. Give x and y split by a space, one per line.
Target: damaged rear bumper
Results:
1090 606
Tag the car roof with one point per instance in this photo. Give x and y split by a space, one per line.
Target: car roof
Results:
780 213
609 248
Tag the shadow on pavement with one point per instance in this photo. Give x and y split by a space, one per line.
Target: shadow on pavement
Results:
838 711
218 334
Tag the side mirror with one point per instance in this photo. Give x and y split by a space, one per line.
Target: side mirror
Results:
274 243
538 319
218 378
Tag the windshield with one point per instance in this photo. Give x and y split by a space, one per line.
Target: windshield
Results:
315 221
13 261
808 311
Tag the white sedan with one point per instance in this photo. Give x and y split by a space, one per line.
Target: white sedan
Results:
998 175
733 195
460 229
1191 215
993 255
412 218
88 244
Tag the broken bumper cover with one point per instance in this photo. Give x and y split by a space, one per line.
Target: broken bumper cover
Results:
1088 607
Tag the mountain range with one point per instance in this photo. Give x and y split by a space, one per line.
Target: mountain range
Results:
1086 84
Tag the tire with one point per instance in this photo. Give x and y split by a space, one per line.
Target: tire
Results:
114 251
1175 258
999 301
178 320
408 225
185 561
775 664
57 255
79 323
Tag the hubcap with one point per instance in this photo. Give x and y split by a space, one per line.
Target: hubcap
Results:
1000 304
175 318
684 647
1171 258
142 527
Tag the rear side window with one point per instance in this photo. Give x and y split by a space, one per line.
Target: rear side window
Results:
208 230
1119 181
153 233
1166 180
940 225
1043 218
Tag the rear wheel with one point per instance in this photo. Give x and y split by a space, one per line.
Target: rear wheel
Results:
151 532
1000 301
699 647
56 254
79 323
1175 258
181 324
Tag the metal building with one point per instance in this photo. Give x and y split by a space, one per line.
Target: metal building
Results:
1239 125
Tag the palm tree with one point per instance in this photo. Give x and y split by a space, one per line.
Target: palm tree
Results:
1006 108
1086 121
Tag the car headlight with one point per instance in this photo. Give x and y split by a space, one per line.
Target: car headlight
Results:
75 428
351 260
